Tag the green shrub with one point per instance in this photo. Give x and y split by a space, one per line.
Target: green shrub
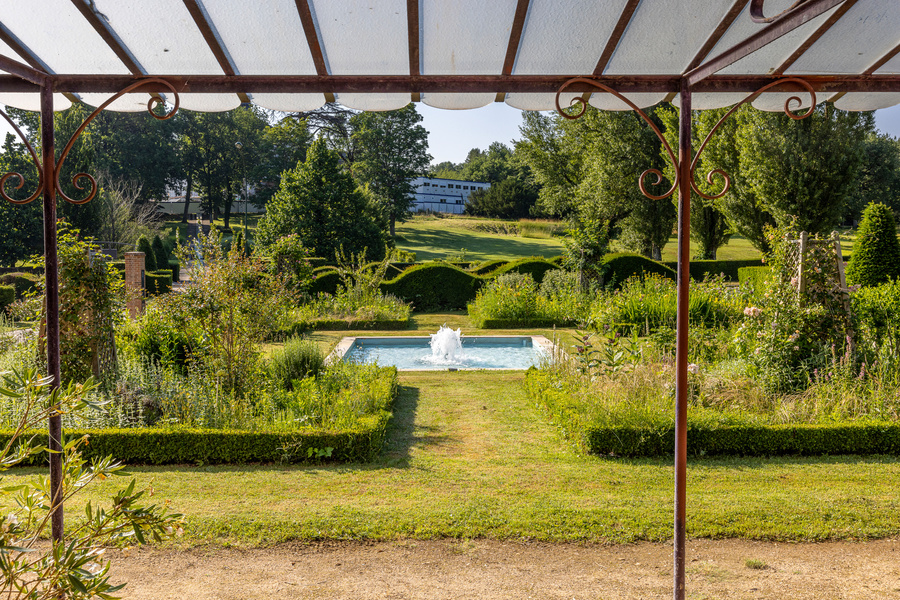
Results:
434 286
22 282
159 252
536 267
511 297
297 360
143 245
7 296
326 280
650 303
877 313
157 336
159 282
616 268
290 261
876 252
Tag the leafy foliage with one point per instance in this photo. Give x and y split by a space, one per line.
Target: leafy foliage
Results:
73 567
320 204
392 150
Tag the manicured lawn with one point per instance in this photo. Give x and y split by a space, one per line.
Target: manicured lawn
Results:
467 455
434 238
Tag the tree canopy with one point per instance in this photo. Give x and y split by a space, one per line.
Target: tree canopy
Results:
321 204
392 149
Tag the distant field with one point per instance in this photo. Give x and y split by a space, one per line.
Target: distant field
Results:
433 238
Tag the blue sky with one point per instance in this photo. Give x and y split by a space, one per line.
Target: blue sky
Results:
452 133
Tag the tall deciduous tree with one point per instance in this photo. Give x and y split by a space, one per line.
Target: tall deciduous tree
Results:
21 224
805 169
322 205
709 227
588 169
392 149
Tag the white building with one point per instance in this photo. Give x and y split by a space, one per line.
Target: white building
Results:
443 195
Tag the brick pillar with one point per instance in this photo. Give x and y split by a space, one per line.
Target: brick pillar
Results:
134 283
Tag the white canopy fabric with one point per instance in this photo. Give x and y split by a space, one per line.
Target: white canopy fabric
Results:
657 39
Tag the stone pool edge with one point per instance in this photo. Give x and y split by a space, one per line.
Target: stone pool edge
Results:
541 342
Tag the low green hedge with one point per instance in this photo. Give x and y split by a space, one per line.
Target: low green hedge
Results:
214 446
700 269
617 267
521 323
22 282
705 438
536 267
158 282
434 286
7 296
748 440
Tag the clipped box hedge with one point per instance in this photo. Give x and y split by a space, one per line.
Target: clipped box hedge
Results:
617 267
536 267
749 440
347 325
712 439
326 281
434 286
175 267
158 282
487 267
215 446
700 269
22 282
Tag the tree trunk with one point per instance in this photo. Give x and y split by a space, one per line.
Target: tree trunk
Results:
187 198
393 221
229 200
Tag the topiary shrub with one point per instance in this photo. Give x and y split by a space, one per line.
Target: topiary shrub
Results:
536 267
143 245
159 252
616 268
876 253
701 269
434 286
159 282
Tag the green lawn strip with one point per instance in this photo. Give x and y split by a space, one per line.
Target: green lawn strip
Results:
468 456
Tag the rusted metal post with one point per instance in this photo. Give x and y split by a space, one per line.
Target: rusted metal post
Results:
681 344
51 274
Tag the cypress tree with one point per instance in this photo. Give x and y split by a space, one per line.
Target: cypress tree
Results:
143 245
876 252
159 252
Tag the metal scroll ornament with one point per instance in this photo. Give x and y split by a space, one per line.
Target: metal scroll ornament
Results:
791 104
79 179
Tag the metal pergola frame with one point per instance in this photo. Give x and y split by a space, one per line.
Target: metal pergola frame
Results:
700 77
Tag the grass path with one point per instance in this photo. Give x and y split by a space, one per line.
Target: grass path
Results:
468 456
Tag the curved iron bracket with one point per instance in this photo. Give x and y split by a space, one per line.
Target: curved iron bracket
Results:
756 11
715 173
79 178
642 114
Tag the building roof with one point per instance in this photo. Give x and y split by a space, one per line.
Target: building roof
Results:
295 55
